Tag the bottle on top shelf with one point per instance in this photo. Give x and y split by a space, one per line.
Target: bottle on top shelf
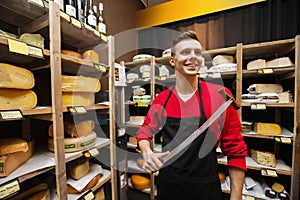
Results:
80 10
101 22
70 7
91 18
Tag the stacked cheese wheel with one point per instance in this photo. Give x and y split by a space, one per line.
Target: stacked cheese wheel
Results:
15 88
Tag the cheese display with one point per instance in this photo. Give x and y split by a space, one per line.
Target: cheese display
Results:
78 168
92 183
267 128
140 57
78 98
37 192
71 53
263 158
15 77
76 144
12 145
17 99
140 182
279 62
33 39
79 84
257 64
222 59
10 162
90 55
265 88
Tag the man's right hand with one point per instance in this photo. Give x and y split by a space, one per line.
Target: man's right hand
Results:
153 161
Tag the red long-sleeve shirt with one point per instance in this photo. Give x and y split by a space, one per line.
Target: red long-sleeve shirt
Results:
228 131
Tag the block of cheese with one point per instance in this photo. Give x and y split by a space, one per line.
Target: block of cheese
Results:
222 59
90 55
265 88
141 57
36 192
33 39
263 158
279 62
12 145
79 84
78 168
15 77
267 128
137 120
71 53
257 64
99 194
17 99
277 187
78 98
92 183
132 140
76 144
140 182
10 162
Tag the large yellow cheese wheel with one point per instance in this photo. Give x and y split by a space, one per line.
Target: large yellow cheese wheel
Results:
78 98
12 145
15 77
71 53
78 168
10 162
76 144
17 99
90 55
140 182
79 84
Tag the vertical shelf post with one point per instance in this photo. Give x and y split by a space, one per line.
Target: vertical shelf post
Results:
239 76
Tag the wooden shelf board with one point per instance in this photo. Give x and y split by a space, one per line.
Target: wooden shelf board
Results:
222 51
276 105
276 72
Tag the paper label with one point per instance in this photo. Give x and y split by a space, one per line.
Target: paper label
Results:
8 189
258 106
35 51
11 115
103 37
17 47
65 16
76 23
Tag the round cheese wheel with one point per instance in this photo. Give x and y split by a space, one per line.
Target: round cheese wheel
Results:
71 53
140 182
140 57
277 187
92 183
140 162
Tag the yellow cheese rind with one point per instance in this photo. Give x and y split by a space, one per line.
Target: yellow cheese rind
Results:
92 183
76 144
10 162
79 84
75 129
263 158
71 53
140 182
267 128
90 55
17 99
78 168
12 145
15 77
78 99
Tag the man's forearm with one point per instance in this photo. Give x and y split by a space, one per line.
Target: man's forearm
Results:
236 182
144 146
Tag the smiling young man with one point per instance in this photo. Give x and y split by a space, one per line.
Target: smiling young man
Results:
179 111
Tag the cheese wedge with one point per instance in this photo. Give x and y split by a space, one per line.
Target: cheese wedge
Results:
265 88
140 182
33 39
279 62
92 183
71 53
267 128
90 55
222 59
17 99
76 144
75 130
12 145
10 162
15 77
78 168
257 64
79 84
263 158
78 98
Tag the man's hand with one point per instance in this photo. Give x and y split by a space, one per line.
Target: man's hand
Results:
153 161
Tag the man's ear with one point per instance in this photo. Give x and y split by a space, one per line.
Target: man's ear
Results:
171 61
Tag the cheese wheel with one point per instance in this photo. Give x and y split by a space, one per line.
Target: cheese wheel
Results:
10 162
17 99
78 168
78 98
71 53
90 55
279 62
12 145
79 84
277 187
36 192
41 195
15 77
257 64
140 182
92 183
140 57
76 144
263 158
267 128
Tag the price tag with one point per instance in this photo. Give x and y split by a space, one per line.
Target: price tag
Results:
250 198
286 140
35 52
142 104
258 106
65 16
265 71
269 172
103 37
91 153
88 196
162 78
37 2
9 188
97 33
17 47
77 110
75 22
145 79
11 115
130 80
99 67
89 27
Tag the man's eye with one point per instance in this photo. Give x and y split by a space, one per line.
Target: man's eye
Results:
185 52
198 53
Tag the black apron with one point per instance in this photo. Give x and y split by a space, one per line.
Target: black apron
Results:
187 177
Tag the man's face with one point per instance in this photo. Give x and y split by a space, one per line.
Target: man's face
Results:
187 58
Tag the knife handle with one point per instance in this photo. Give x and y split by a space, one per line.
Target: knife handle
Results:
227 96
